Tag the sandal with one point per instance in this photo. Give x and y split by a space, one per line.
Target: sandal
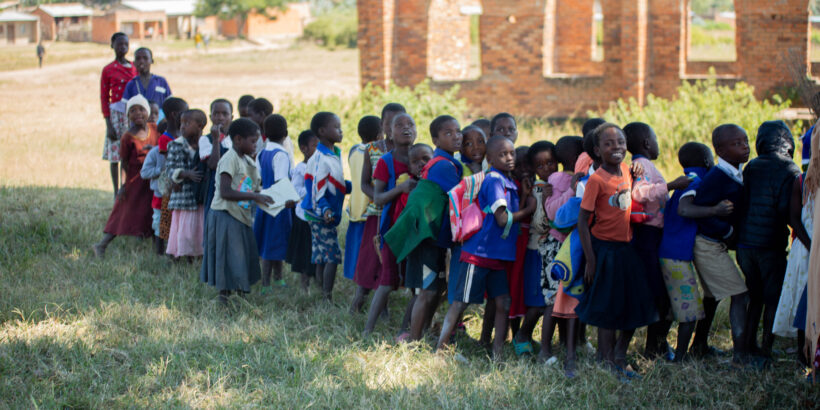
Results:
522 348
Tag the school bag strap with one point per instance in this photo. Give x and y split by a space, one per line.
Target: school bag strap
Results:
465 215
384 218
429 165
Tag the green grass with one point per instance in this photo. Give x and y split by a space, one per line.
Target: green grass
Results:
135 330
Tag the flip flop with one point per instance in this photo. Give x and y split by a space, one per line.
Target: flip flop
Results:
522 348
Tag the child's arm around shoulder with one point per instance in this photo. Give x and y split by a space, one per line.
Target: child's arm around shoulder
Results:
501 212
687 207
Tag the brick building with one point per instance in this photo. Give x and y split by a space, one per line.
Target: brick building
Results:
541 57
64 21
18 28
137 24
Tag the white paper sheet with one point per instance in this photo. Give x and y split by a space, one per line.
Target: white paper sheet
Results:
281 192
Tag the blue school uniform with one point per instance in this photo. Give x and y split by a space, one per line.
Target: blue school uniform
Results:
722 182
272 232
678 232
156 92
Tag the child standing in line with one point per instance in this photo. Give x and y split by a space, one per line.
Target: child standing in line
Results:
391 187
299 241
173 108
151 171
484 125
153 117
651 191
368 264
369 131
515 272
272 232
618 297
717 223
130 215
503 124
215 144
153 87
231 260
326 189
487 253
676 248
567 151
185 235
242 105
543 161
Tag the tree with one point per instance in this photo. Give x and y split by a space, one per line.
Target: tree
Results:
228 9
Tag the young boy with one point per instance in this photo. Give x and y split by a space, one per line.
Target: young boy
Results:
214 144
716 221
299 240
258 110
326 190
675 250
242 106
487 253
272 232
651 191
764 234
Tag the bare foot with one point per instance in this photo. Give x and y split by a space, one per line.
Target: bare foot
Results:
99 250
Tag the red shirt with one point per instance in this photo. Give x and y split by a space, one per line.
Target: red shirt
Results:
609 197
383 175
112 83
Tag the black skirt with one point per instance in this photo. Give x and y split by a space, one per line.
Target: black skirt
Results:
299 248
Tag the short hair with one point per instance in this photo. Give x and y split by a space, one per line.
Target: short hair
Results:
276 127
197 115
244 100
146 49
392 107
305 137
320 120
692 154
498 117
439 122
219 101
261 105
369 127
722 131
567 146
174 104
636 133
599 130
590 125
538 148
495 142
474 128
116 35
242 128
481 123
420 146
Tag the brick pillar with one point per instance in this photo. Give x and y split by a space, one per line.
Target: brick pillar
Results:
625 21
666 46
573 36
766 30
410 42
375 39
448 41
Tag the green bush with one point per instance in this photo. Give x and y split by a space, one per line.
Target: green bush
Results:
815 36
704 37
337 28
698 108
421 102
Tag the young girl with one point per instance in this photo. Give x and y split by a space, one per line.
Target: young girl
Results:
112 83
132 209
618 297
391 187
173 108
231 261
503 124
326 189
153 87
185 235
299 241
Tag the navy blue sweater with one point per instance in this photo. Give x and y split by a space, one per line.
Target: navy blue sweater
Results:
715 187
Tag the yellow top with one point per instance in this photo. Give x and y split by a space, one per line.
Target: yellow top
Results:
358 200
244 178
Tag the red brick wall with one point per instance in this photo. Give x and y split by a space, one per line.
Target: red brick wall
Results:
644 50
449 43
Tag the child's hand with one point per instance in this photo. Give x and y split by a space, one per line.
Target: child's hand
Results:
680 182
589 272
216 129
526 187
724 208
575 178
409 185
263 199
547 190
195 176
636 170
328 216
290 204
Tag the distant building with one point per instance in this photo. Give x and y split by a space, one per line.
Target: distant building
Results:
64 21
181 22
18 28
137 24
289 23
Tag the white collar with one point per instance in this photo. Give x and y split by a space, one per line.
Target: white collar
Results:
270 146
730 170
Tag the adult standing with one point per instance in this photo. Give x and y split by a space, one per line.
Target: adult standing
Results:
153 87
41 52
112 85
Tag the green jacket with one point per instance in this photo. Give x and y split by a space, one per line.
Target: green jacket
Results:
421 219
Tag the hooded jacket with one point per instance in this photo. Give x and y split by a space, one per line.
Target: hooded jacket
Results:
767 184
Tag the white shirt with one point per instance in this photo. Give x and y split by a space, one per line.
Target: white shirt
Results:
280 163
581 186
298 179
730 170
205 146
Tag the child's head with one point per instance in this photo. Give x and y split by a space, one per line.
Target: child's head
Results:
446 133
484 124
473 144
522 170
242 105
119 43
590 125
695 154
244 134
501 153
192 124
173 107
641 140
567 151
610 144
143 58
775 137
307 143
221 113
388 112
731 143
328 128
543 159
403 130
154 115
370 128
276 128
503 124
138 110
259 109
420 155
